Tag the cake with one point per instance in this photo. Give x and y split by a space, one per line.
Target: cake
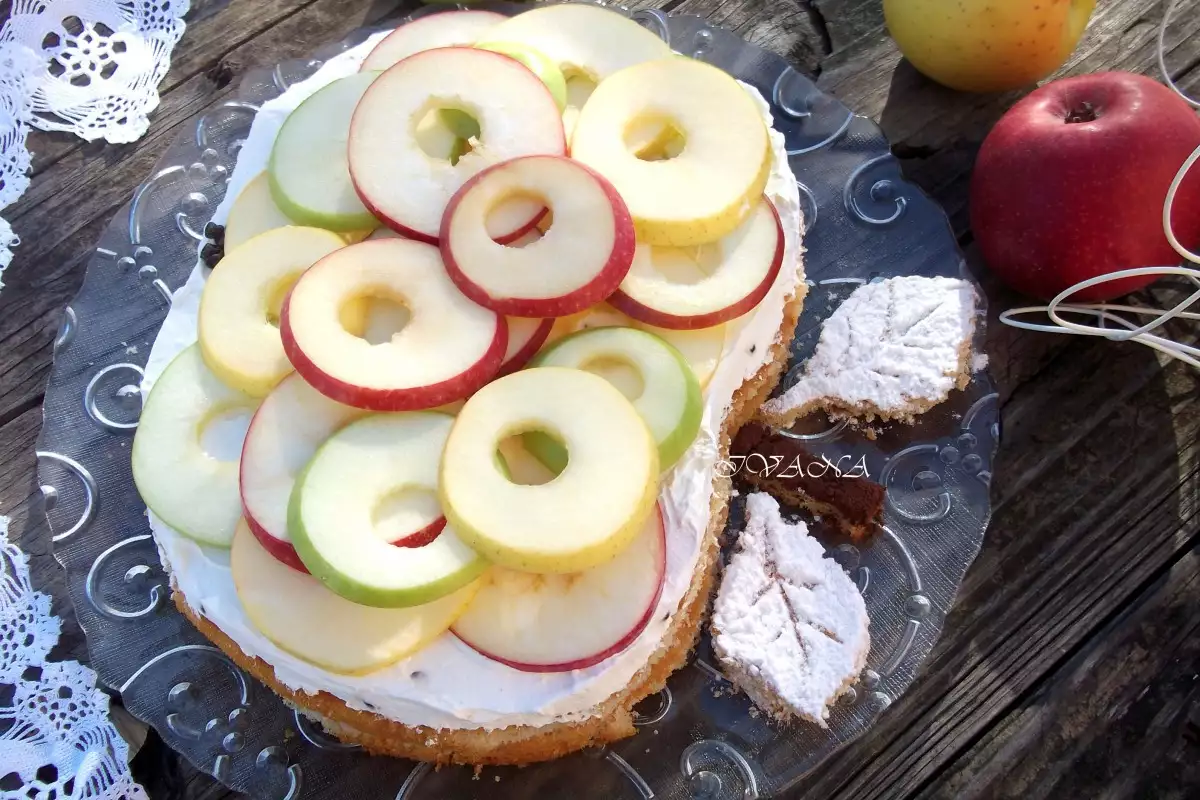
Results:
373 653
893 350
833 490
789 626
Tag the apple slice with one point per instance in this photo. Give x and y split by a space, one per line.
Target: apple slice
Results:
302 617
702 348
536 62
735 274
407 187
585 516
292 422
310 178
707 191
254 212
579 261
661 387
525 337
465 126
556 623
185 451
587 42
448 349
349 491
443 29
240 308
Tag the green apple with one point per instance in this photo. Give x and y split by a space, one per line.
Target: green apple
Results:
238 323
651 373
584 517
702 348
301 616
186 450
309 171
254 211
366 481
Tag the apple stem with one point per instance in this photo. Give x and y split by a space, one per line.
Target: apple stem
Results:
1086 112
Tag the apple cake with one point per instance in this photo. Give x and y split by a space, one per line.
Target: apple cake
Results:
421 473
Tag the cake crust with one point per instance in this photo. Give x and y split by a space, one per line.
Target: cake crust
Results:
527 744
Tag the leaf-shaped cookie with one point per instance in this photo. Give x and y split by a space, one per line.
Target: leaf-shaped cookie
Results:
789 625
892 350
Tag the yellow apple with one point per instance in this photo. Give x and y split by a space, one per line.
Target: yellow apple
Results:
987 45
303 617
584 517
714 182
238 324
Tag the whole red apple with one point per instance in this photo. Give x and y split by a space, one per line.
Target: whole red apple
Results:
1071 182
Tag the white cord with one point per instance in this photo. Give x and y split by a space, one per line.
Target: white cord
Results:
1112 313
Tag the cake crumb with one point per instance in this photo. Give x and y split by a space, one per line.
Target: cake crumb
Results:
979 362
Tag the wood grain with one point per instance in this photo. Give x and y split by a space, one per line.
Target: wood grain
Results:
1067 668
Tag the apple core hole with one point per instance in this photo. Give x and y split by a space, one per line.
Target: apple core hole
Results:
654 138
685 265
405 511
446 133
620 372
385 318
223 432
580 86
517 211
521 466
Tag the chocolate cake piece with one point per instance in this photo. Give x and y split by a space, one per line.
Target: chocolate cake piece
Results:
854 504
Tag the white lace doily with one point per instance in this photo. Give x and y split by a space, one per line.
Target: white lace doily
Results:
55 733
87 67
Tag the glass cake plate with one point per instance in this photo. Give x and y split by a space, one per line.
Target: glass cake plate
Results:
697 738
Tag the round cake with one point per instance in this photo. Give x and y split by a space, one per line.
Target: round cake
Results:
447 701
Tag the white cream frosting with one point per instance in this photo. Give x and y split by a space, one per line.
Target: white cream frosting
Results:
449 685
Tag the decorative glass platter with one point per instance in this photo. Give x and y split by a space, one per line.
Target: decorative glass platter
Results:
699 737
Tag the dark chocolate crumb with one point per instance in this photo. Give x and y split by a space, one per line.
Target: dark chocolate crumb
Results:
417 675
214 232
753 347
368 705
211 254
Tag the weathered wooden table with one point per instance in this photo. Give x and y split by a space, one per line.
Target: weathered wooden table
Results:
1069 667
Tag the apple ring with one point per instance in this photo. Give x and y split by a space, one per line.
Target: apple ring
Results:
447 349
332 516
582 518
711 186
581 259
407 188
